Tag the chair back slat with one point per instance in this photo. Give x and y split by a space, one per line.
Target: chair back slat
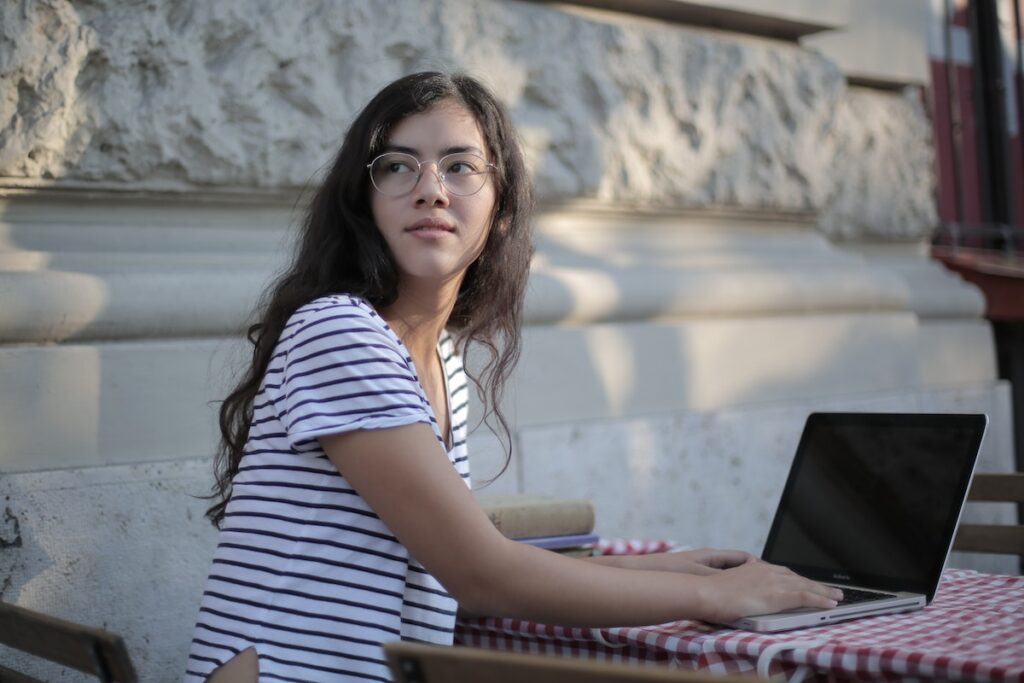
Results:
417 663
1005 488
990 538
1005 539
12 676
87 649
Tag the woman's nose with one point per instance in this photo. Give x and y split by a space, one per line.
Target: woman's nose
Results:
430 188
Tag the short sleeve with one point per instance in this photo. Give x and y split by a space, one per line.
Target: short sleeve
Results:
342 371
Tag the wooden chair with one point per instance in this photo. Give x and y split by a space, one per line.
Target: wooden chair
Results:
994 538
84 648
416 663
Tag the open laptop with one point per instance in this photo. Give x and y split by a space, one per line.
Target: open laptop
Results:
871 505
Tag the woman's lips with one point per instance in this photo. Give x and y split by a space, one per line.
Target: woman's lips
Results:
430 228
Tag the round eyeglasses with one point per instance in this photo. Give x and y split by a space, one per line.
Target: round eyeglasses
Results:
395 174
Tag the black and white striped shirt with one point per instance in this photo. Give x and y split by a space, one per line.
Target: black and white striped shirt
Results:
305 572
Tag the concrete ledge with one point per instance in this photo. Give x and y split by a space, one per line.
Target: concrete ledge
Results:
955 352
115 270
564 295
118 402
783 20
59 306
629 313
78 404
66 306
882 44
610 370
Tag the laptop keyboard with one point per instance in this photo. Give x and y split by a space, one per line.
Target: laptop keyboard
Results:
852 595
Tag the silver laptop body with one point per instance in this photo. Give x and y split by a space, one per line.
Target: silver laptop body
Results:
871 504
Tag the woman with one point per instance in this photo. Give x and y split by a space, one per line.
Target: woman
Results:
346 515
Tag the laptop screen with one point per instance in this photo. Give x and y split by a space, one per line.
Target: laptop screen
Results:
874 499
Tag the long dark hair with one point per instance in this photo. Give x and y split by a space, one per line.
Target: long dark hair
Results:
340 250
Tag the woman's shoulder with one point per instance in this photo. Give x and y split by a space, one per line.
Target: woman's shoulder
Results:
335 314
335 306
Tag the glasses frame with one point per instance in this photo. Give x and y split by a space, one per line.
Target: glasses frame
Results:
490 168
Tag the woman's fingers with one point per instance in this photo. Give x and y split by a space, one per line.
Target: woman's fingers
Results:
814 599
809 593
763 588
796 592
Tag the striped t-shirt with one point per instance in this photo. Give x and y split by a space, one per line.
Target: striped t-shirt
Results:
305 572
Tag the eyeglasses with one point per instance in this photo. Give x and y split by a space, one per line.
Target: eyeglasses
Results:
395 174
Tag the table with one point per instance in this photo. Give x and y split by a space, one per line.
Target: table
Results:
972 631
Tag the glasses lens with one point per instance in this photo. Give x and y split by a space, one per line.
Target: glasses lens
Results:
394 174
463 174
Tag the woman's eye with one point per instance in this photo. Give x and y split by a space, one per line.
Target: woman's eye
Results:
398 167
460 167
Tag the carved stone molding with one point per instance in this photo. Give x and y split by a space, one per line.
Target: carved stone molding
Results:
194 95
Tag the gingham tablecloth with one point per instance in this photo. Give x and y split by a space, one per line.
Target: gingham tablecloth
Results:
972 631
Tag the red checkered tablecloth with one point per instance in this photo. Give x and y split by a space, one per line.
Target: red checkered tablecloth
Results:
972 631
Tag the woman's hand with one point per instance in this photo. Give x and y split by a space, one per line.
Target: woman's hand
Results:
760 588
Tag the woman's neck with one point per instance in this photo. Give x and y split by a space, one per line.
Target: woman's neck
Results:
419 316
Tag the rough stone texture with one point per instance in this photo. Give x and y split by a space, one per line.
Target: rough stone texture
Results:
125 548
256 94
883 143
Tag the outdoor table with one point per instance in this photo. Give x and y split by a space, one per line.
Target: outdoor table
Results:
972 631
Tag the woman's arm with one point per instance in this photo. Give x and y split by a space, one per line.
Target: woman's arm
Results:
704 561
406 478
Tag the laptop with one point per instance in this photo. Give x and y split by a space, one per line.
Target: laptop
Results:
871 506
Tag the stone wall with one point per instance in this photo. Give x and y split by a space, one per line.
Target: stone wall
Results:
190 94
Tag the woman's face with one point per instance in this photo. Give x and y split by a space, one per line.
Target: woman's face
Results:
434 234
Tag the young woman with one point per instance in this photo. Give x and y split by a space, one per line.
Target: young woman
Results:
345 510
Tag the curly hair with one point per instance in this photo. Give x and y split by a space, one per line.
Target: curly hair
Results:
340 249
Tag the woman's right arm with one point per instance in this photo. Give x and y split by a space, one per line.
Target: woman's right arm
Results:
406 478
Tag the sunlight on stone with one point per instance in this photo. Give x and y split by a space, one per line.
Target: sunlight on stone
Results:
838 352
641 452
572 295
613 360
64 397
23 260
51 305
